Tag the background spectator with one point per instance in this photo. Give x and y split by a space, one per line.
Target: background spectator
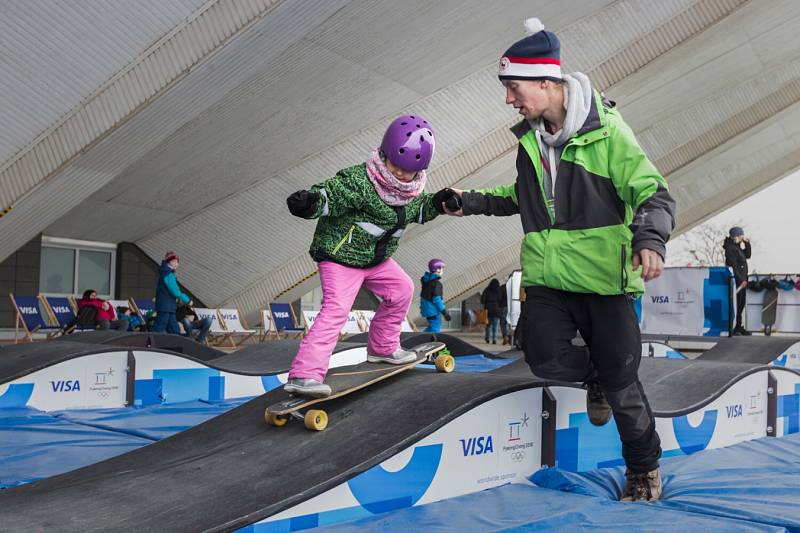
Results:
106 317
186 315
504 315
490 299
167 292
134 322
737 252
431 303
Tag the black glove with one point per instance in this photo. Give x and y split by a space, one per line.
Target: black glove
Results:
448 197
453 203
303 203
446 316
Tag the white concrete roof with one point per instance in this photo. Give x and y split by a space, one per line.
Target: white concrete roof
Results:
189 132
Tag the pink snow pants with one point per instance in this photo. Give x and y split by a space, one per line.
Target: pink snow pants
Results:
340 285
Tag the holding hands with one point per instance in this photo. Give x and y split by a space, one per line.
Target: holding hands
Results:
302 203
448 202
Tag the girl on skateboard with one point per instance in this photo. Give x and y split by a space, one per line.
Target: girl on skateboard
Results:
362 211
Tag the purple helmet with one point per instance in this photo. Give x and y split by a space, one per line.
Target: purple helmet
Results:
409 142
435 264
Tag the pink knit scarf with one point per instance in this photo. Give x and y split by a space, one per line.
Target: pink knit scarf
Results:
391 190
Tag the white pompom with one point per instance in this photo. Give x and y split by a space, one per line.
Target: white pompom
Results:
533 25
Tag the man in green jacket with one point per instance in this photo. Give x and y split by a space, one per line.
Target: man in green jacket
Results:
596 215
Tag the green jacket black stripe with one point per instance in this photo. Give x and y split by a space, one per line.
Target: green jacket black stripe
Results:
610 201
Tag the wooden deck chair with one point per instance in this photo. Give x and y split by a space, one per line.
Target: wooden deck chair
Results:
366 319
47 312
309 317
60 313
308 320
408 325
362 322
285 321
119 303
29 317
232 321
267 327
90 320
217 334
367 316
352 326
142 308
59 309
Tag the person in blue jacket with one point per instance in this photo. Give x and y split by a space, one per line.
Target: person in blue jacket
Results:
167 292
431 303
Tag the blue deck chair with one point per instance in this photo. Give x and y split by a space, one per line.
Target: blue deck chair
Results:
60 309
63 313
142 307
285 321
29 317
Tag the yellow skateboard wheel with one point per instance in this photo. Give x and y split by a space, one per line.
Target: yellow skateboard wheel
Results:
445 363
275 420
316 419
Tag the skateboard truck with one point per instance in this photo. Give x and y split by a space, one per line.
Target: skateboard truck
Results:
315 419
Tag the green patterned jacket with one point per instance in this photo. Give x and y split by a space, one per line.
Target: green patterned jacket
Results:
356 228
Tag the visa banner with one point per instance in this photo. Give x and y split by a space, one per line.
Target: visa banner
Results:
688 301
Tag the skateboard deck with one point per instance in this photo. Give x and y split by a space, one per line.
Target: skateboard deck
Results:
346 380
769 310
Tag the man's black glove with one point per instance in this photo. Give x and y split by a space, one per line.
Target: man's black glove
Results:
446 316
448 197
303 203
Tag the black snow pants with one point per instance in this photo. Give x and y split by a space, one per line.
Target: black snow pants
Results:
613 350
741 301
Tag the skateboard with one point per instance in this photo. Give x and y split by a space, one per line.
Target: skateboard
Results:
769 309
350 379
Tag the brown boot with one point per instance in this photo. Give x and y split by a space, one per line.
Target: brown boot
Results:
645 486
597 407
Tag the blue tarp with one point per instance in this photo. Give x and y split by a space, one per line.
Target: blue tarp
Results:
527 508
752 486
154 422
35 444
757 481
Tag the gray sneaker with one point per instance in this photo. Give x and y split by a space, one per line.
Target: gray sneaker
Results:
399 357
308 388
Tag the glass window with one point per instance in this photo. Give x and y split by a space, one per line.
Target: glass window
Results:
94 272
57 273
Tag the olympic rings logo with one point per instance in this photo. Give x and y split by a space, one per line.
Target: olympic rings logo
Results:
518 456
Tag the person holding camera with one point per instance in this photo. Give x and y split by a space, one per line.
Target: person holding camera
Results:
737 252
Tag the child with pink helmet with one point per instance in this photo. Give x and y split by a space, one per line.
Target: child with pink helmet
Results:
362 212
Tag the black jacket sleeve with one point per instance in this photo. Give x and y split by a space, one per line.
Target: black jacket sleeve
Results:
653 222
500 201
